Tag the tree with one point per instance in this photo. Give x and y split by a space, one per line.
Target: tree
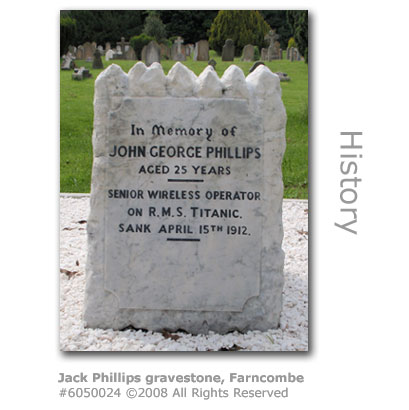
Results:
191 25
154 27
242 26
67 32
138 42
102 26
298 21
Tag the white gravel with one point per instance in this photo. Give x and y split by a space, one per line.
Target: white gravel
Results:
291 336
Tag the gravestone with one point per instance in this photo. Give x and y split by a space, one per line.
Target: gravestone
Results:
185 225
273 51
283 76
248 53
118 53
294 54
228 50
80 53
109 55
263 54
88 51
143 53
107 46
164 51
97 62
177 53
152 53
201 51
67 62
130 54
72 50
122 44
80 73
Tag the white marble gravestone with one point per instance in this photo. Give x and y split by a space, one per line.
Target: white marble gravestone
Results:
185 227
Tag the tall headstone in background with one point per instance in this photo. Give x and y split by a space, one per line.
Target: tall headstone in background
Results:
80 53
228 50
248 53
143 53
88 51
202 51
130 54
107 46
152 53
185 227
293 54
263 54
164 51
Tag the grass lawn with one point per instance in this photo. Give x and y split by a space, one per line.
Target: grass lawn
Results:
76 118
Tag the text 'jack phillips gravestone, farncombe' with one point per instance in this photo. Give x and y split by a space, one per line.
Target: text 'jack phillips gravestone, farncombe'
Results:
185 227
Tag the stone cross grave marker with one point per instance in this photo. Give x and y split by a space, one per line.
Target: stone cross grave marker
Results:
122 44
185 226
273 51
177 53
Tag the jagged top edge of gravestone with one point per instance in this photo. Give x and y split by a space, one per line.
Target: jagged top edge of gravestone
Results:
142 81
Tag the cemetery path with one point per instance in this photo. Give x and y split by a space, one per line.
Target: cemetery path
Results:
292 335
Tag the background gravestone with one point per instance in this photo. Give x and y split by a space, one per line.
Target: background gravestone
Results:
130 54
164 51
273 51
177 51
143 53
248 53
201 51
67 62
263 54
185 226
80 73
118 53
88 51
80 53
109 55
152 53
228 50
97 62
